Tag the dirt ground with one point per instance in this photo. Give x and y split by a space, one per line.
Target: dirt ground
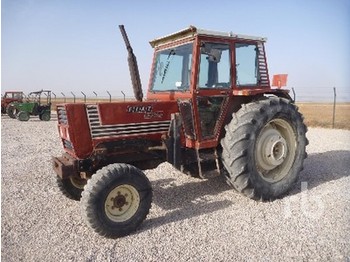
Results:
321 115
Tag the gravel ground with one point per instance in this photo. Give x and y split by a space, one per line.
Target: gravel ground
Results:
190 219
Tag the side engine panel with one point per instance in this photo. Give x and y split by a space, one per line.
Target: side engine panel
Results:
83 127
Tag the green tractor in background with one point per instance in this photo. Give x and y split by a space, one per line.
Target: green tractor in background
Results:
37 104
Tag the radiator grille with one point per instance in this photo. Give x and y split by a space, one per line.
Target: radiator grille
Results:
67 144
62 115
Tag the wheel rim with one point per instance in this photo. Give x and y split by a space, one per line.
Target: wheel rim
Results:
45 117
275 150
122 203
23 116
77 182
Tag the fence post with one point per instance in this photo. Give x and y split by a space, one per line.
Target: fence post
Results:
84 96
73 96
334 102
64 97
54 95
123 95
293 94
110 97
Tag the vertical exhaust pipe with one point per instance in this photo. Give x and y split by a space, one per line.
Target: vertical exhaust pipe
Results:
133 68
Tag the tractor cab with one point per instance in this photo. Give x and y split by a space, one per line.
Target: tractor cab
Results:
201 61
203 70
41 98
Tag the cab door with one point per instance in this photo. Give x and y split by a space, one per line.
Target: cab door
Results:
212 93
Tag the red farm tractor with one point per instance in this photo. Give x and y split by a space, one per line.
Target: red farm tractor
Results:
8 98
209 107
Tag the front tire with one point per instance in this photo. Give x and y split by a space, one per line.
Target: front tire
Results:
23 116
264 148
116 200
71 187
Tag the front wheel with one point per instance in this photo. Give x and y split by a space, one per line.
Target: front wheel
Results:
116 200
71 187
23 116
264 148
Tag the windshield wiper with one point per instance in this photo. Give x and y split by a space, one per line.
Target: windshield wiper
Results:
171 53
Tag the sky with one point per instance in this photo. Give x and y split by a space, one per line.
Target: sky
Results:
75 45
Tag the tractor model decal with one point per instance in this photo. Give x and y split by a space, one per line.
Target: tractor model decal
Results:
139 109
146 110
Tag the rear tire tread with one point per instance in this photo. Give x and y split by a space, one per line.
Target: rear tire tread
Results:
240 138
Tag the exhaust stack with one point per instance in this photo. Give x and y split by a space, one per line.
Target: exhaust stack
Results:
133 68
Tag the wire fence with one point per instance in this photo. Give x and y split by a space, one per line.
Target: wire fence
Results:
322 94
321 106
324 106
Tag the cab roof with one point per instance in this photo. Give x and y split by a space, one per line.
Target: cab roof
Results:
194 31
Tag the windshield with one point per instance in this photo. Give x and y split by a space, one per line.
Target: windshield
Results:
172 69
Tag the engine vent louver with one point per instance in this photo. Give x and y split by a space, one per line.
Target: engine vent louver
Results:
67 144
103 131
264 77
62 115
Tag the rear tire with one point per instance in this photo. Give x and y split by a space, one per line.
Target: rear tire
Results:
46 116
11 111
71 187
264 148
116 200
23 116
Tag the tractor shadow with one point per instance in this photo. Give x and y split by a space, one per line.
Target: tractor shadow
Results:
196 198
187 200
322 168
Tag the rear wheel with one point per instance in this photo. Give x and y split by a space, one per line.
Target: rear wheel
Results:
45 116
11 111
264 148
23 116
116 200
71 187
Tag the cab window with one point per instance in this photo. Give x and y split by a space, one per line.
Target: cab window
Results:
246 64
214 67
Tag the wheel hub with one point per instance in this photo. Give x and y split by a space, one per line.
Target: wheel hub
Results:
78 182
122 203
119 201
273 149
